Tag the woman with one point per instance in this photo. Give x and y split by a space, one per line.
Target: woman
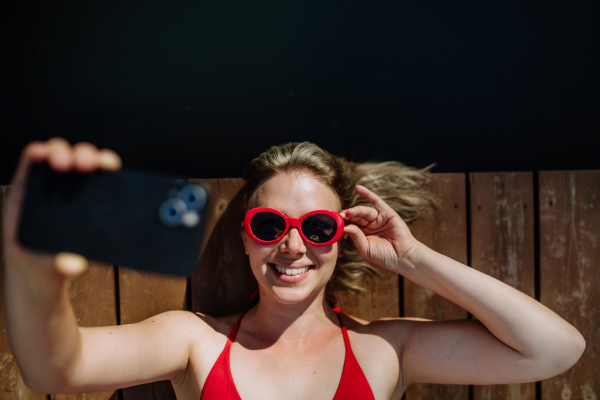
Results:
291 344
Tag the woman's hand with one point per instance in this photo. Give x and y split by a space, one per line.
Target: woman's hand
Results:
379 234
60 155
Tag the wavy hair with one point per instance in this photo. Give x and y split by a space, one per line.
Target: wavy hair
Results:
403 188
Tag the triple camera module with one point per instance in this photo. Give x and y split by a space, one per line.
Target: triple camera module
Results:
183 207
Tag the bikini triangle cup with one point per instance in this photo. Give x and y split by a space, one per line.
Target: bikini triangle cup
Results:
353 384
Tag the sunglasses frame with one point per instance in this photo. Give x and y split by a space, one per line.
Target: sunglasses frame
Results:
293 223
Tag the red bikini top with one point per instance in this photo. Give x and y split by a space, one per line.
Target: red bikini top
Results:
353 384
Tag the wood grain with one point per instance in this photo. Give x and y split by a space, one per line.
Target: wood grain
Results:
446 233
502 246
569 205
143 295
379 300
223 282
93 298
12 386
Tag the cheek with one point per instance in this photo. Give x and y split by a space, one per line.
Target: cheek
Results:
257 253
327 256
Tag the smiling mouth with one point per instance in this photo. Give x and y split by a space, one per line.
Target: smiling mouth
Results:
290 271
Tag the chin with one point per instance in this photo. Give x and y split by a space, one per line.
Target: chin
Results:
291 295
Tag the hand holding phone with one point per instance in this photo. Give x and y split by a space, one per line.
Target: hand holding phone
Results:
61 156
130 218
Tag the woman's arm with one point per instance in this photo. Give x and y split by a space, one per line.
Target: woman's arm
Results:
52 352
516 338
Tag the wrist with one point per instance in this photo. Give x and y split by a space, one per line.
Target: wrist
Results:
413 256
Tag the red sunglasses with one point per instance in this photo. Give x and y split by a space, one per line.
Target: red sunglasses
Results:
319 228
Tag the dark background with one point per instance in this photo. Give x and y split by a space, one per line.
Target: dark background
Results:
199 88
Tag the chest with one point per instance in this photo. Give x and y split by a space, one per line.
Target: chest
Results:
295 373
311 373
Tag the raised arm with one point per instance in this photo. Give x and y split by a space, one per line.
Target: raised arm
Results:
516 339
53 354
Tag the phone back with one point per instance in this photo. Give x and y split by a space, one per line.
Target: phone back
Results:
129 218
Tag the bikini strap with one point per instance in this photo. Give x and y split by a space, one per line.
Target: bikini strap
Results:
231 337
344 330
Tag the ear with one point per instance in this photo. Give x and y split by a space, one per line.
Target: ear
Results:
244 238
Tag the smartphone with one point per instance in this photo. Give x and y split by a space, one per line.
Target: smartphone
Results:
133 219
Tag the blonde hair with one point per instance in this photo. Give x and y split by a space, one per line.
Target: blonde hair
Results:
403 188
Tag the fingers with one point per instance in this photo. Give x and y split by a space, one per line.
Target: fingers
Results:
60 155
109 160
69 264
369 217
372 198
358 238
88 158
83 157
360 215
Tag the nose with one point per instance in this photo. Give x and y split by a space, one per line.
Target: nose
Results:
292 243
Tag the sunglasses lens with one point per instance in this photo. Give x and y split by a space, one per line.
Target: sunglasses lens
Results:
267 226
319 228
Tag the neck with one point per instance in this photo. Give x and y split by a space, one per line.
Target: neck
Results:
275 321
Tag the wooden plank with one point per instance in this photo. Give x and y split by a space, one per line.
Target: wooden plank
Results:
502 246
223 282
446 233
12 386
142 295
379 300
569 204
93 298
145 294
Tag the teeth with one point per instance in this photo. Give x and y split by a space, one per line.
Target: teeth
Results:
290 271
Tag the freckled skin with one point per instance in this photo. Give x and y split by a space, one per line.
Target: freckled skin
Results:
294 195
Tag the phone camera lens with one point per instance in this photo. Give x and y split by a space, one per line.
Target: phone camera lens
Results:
190 219
171 211
194 196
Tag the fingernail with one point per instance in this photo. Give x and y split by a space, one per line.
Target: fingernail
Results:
109 160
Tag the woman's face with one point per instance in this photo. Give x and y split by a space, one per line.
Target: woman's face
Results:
294 194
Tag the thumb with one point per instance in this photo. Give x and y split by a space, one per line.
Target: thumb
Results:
358 238
70 265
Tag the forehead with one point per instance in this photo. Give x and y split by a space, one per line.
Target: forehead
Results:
295 194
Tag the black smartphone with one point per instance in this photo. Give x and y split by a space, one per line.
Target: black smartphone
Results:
133 219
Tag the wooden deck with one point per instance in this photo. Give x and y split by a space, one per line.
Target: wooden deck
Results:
538 232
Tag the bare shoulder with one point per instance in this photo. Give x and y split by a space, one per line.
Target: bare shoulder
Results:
211 333
176 320
377 346
205 347
221 325
187 326
393 330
